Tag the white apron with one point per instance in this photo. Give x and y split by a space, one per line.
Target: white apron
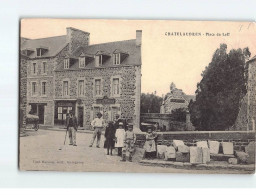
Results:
120 134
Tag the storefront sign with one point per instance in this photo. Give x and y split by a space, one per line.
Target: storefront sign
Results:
177 100
105 100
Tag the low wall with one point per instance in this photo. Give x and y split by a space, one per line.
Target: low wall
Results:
239 138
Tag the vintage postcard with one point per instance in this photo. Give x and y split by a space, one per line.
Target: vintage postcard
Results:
155 96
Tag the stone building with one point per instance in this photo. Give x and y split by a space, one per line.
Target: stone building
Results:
67 73
175 99
247 113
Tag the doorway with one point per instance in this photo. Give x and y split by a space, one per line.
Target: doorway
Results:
41 114
80 116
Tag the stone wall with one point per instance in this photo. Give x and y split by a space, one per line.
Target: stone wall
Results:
239 138
128 100
23 92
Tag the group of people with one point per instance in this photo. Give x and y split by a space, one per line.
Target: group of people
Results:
118 134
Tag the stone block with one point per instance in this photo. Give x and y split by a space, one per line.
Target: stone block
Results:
202 144
177 143
233 161
196 155
138 154
183 149
250 150
242 157
170 153
161 151
206 155
228 147
214 147
182 157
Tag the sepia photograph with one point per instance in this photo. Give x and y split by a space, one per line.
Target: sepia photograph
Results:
137 96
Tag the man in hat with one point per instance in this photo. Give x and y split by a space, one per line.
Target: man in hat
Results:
97 124
72 128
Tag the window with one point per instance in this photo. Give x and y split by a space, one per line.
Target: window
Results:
81 87
81 62
65 88
44 68
34 68
115 86
100 59
66 63
97 87
44 88
116 58
38 52
33 88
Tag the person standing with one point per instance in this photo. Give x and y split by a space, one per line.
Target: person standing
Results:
120 132
150 144
129 141
72 128
97 124
110 137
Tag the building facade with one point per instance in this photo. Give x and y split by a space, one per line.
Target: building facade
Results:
67 73
175 99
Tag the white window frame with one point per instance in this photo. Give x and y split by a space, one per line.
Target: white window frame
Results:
116 58
78 87
81 62
42 88
66 63
115 89
40 52
63 89
44 64
112 86
100 60
33 94
95 88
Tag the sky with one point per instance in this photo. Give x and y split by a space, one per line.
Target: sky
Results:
165 59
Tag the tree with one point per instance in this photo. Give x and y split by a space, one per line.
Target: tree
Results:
219 93
150 103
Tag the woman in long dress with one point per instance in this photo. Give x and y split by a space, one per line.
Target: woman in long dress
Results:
120 134
150 144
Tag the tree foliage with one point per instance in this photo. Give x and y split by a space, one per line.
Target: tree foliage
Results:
179 114
150 103
219 93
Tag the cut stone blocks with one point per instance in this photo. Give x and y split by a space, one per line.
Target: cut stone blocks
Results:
202 144
206 155
170 153
228 147
182 157
242 157
161 151
196 155
250 150
233 161
214 147
183 149
177 143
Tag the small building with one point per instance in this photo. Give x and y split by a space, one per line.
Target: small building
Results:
175 99
67 73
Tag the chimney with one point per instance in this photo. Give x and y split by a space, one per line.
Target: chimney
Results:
76 38
138 37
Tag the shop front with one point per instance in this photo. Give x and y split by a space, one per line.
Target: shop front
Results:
62 108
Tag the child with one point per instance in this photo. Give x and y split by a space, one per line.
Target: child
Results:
110 137
120 138
129 140
150 145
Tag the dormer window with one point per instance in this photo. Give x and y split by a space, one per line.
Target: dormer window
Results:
116 58
40 51
27 51
66 63
101 57
100 60
81 62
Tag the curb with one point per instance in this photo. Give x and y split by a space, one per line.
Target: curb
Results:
186 165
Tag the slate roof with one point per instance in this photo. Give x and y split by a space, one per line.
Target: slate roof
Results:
53 44
127 46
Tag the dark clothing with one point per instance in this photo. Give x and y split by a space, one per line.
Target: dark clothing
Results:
72 122
110 137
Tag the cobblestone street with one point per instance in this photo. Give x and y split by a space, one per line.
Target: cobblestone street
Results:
45 150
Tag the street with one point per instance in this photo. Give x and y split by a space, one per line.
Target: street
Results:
45 150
